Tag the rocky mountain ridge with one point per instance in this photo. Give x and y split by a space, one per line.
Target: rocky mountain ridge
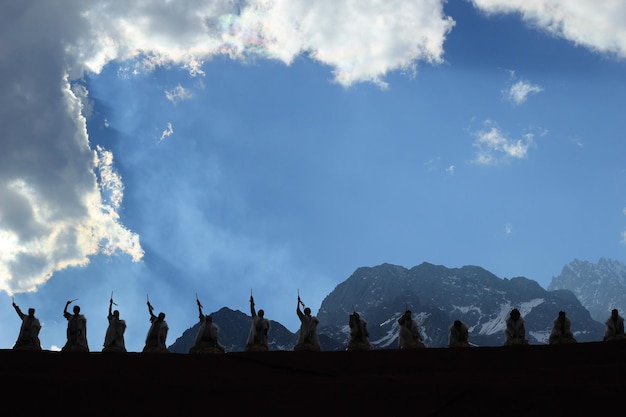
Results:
436 295
600 287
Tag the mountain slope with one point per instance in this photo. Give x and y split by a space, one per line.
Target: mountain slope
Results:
438 295
435 294
600 287
234 327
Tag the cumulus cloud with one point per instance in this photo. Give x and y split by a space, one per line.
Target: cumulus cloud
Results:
518 92
494 146
597 25
360 41
55 213
60 197
58 208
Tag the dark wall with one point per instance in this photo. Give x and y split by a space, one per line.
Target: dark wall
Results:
572 379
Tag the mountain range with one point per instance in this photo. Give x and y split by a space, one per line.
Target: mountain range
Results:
600 287
436 296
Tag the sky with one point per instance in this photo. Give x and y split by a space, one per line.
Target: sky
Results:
163 151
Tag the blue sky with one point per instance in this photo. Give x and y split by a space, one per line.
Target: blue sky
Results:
165 150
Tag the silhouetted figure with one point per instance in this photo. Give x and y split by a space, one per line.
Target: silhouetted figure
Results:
206 338
359 335
561 330
307 337
515 331
76 330
409 336
459 334
614 327
28 339
258 336
157 335
114 337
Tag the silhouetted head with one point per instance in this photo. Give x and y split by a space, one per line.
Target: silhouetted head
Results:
31 312
161 316
76 309
408 313
562 315
515 314
261 313
457 323
307 311
614 313
116 313
354 317
208 318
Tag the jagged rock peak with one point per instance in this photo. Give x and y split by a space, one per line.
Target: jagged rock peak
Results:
600 286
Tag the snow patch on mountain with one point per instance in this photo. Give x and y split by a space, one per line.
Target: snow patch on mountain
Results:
388 338
541 336
527 306
466 309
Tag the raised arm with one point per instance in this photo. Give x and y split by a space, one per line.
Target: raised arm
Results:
19 312
252 310
200 315
298 311
150 308
111 307
67 303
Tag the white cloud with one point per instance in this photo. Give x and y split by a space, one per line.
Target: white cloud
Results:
450 170
597 25
518 92
60 198
169 130
57 211
493 145
178 94
53 214
508 229
361 41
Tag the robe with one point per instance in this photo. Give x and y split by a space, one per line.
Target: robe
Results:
258 331
359 335
308 330
76 333
155 339
560 330
114 337
614 327
458 335
29 333
515 332
409 334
